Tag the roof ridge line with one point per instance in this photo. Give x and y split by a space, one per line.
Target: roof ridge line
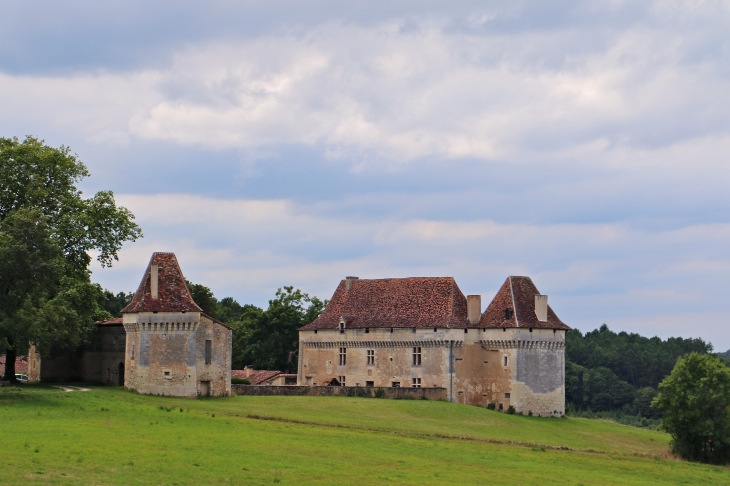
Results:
512 292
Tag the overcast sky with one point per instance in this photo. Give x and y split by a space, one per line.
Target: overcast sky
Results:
584 144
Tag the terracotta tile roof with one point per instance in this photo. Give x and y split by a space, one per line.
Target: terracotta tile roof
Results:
173 293
256 377
260 376
21 365
518 294
419 302
110 322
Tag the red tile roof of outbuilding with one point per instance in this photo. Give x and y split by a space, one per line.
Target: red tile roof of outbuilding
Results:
173 292
518 294
416 302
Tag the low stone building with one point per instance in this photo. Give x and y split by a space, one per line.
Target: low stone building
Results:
423 332
164 344
99 360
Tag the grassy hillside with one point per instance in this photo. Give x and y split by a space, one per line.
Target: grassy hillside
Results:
110 435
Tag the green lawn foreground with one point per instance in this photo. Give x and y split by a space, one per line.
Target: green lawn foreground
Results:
113 436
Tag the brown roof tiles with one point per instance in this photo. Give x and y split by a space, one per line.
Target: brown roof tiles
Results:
173 292
417 302
514 306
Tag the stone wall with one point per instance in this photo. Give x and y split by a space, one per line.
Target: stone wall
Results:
347 391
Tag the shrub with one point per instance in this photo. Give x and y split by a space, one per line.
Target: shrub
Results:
511 410
240 381
491 406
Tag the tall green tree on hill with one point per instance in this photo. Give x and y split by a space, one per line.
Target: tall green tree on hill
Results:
47 230
695 399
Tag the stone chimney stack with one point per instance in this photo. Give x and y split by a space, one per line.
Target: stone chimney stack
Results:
348 282
473 308
541 307
154 281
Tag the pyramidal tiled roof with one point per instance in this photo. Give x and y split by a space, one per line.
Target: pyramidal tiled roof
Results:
416 302
518 294
173 292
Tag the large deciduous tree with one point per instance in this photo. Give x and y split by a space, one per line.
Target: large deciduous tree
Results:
47 230
695 399
269 339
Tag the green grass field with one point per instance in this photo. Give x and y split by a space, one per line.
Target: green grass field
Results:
112 436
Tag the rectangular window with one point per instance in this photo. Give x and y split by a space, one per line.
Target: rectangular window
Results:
367 330
506 395
208 351
341 379
504 361
343 356
416 383
371 356
370 383
395 384
417 356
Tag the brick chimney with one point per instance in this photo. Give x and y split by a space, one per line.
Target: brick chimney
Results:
473 308
348 282
541 307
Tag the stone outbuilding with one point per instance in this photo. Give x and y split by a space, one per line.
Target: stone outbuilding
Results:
164 344
172 346
423 332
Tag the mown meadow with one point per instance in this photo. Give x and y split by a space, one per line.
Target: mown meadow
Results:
113 436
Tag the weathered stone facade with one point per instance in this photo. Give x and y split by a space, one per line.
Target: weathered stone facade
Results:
385 336
172 347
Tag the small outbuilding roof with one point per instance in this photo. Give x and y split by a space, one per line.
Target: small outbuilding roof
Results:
173 294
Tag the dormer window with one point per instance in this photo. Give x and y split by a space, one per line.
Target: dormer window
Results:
508 313
342 325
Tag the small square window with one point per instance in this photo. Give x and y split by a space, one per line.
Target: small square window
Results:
341 379
506 395
416 383
367 330
395 384
370 383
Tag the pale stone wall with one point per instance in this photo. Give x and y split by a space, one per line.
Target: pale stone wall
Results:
393 353
218 371
469 365
165 354
535 367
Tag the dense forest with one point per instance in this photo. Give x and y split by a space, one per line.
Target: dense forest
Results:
619 372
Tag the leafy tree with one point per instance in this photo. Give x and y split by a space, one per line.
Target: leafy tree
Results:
270 339
114 304
204 297
38 194
229 310
695 399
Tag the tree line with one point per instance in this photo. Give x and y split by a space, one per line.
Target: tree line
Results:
620 372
